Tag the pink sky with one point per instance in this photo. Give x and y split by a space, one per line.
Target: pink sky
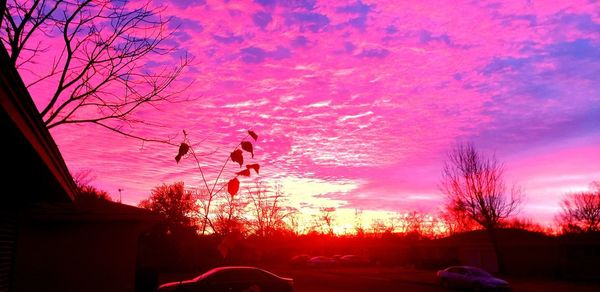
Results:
356 103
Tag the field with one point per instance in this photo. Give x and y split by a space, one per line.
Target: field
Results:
369 279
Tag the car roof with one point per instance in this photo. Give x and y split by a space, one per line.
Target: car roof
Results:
232 268
467 268
464 267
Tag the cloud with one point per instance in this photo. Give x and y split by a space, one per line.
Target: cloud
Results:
359 9
229 39
294 4
255 55
427 36
527 105
379 53
391 29
186 24
262 19
280 53
307 21
187 3
350 117
582 22
349 47
582 49
299 42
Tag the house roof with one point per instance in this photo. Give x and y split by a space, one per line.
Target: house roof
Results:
34 164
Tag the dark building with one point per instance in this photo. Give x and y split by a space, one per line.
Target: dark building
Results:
50 240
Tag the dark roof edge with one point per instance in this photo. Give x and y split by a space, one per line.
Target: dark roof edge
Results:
22 110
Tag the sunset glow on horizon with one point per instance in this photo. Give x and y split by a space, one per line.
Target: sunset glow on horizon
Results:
357 103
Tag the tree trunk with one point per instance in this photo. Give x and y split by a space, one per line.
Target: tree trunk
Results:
497 251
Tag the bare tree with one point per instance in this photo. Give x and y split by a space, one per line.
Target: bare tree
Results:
358 223
581 211
380 227
229 216
267 210
326 217
203 202
414 223
456 221
99 72
474 184
293 221
85 190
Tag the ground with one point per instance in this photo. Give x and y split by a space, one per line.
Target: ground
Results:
369 279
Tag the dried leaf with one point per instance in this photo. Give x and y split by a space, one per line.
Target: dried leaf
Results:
255 166
254 136
183 150
233 186
248 147
245 172
237 156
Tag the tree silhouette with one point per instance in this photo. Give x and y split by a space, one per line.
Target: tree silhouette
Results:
267 210
88 192
229 216
456 221
581 211
380 227
327 219
100 49
474 184
359 229
85 191
175 203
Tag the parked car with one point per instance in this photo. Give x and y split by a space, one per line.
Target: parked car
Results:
228 279
470 278
299 260
352 259
321 261
337 257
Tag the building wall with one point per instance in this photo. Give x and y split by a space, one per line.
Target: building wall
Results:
66 256
8 237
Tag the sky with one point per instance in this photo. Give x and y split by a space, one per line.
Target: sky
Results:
357 103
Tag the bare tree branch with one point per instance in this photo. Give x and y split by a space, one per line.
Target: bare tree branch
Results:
474 185
101 71
581 211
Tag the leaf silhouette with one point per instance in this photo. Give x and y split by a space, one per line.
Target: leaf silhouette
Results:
254 136
233 186
255 166
245 172
237 156
248 147
183 149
